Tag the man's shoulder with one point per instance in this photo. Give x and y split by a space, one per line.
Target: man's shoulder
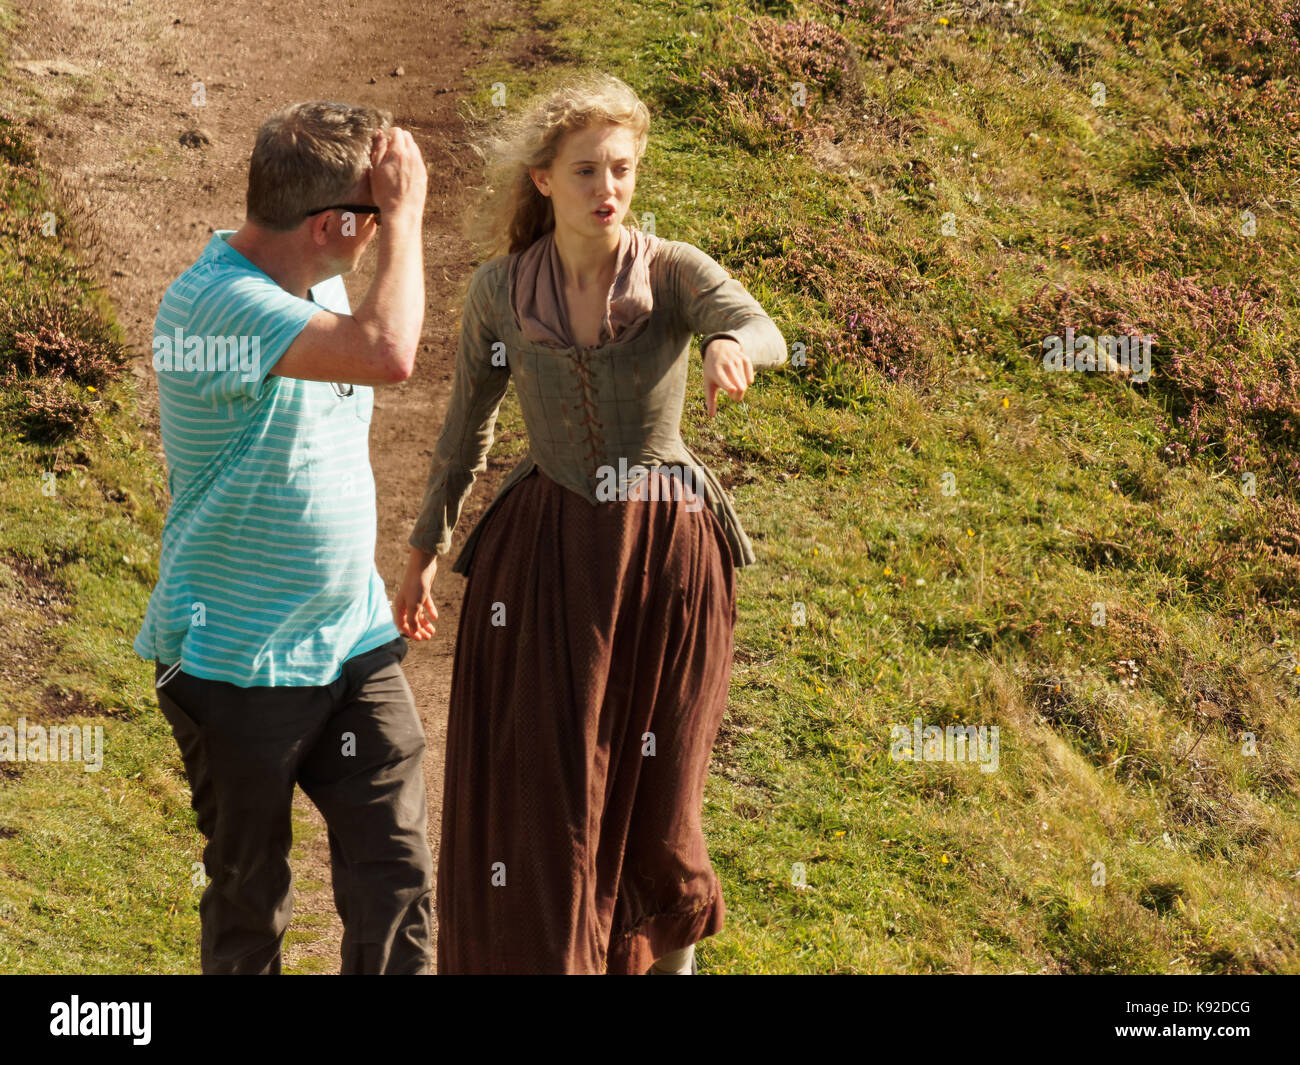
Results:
206 275
214 286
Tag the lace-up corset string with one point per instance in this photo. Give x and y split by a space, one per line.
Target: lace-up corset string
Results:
590 419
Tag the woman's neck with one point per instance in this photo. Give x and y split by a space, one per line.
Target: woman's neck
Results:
588 262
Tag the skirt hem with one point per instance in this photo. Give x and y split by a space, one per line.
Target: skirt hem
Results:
632 952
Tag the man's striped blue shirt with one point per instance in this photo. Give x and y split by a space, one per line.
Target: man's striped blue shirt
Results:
267 573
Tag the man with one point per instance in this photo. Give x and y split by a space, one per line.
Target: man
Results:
277 661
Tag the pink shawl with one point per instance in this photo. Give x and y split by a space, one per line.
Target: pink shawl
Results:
537 291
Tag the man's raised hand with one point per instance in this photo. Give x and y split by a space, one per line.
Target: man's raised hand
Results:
398 177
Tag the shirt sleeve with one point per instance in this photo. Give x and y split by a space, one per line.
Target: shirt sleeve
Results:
477 389
713 304
244 324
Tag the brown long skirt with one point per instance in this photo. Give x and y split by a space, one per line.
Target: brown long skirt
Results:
592 664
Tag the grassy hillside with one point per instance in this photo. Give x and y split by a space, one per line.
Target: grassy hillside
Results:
1104 570
95 855
1103 566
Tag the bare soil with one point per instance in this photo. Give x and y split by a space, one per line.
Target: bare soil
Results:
113 90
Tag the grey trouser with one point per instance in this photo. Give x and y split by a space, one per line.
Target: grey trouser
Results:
356 746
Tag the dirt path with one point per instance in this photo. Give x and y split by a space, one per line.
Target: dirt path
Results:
118 106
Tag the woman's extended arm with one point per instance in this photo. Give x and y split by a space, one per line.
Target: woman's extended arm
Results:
738 334
713 304
478 385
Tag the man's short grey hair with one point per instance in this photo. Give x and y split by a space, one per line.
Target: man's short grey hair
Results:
307 156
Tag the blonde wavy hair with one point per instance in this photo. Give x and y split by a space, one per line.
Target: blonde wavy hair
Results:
512 214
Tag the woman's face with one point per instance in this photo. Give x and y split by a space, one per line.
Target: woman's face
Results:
595 168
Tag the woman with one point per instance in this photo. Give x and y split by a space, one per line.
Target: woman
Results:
594 649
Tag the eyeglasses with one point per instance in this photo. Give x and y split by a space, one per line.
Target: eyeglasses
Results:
355 208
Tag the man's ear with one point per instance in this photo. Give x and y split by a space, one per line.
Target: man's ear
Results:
320 228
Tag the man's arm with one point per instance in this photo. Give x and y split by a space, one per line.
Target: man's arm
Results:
377 344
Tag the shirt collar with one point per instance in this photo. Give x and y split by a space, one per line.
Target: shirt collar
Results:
219 248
